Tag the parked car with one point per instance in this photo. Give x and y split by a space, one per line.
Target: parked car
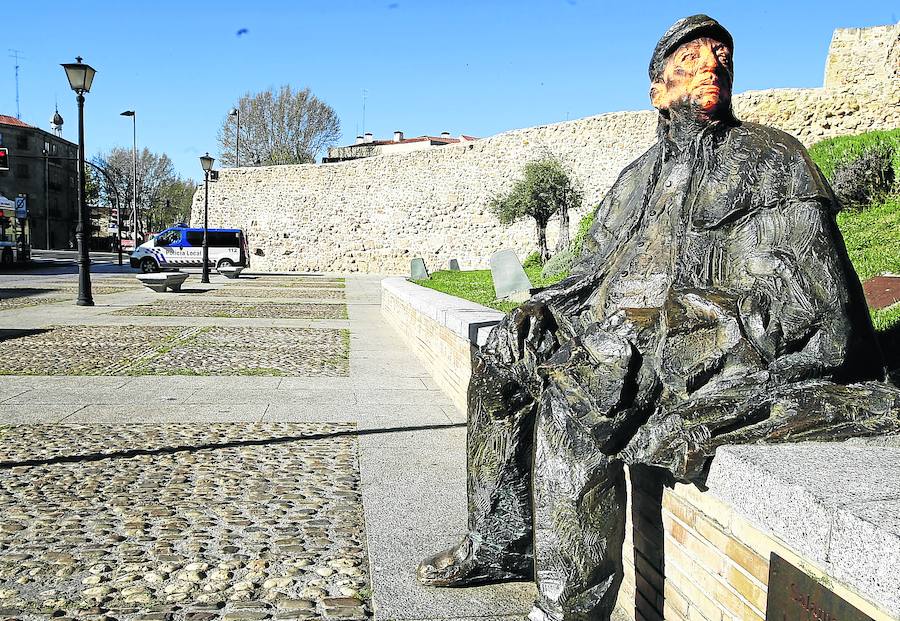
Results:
183 247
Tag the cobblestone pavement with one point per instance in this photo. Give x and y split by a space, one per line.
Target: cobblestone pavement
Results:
253 310
22 302
174 521
17 292
269 281
157 350
281 292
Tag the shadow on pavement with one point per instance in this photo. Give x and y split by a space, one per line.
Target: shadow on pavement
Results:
169 450
9 334
11 293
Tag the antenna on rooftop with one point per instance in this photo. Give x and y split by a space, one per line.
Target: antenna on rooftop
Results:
15 54
365 94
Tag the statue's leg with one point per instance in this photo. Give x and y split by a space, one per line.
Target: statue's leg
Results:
685 439
499 444
816 411
579 505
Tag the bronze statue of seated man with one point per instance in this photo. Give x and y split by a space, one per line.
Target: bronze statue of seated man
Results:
714 303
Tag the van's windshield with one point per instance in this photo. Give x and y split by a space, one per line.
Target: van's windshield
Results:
168 237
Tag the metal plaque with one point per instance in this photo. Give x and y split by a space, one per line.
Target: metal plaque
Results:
795 596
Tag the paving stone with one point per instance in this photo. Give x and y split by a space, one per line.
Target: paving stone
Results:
315 293
157 350
128 502
180 307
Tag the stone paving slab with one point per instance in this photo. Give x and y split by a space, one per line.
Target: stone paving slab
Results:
158 350
221 521
282 292
67 289
177 307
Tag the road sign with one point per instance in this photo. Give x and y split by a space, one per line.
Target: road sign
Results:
4 158
21 207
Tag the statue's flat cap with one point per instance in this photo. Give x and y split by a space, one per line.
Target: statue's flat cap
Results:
686 29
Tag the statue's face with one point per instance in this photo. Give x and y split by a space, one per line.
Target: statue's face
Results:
697 77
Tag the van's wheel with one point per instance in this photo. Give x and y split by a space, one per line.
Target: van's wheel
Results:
7 258
148 265
224 263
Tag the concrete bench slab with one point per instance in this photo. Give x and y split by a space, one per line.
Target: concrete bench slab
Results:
161 281
230 271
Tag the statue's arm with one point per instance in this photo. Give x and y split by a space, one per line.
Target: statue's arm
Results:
797 306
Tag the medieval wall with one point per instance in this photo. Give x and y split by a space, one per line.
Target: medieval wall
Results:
374 214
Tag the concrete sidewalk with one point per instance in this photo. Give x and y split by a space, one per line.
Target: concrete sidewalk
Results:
411 440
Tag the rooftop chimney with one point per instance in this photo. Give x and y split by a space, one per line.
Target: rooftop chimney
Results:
368 137
398 136
359 140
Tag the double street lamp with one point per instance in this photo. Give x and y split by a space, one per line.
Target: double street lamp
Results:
80 78
207 163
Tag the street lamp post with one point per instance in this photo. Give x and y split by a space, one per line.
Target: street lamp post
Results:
207 163
134 209
237 137
80 78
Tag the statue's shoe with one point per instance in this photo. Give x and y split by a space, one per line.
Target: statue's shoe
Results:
461 566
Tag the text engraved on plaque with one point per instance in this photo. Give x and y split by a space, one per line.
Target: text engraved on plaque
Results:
795 596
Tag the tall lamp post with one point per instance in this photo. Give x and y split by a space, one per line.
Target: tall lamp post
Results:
207 163
80 78
237 137
134 211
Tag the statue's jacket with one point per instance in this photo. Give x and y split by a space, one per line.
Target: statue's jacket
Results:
713 277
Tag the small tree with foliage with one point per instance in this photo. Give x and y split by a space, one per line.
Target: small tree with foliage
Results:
544 191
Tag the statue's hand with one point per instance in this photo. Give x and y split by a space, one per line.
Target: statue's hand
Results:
666 442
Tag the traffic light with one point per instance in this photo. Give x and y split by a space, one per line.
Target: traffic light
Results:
4 158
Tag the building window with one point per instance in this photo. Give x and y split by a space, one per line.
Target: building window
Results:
46 147
54 148
22 142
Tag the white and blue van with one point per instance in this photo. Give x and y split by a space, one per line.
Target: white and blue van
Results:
182 246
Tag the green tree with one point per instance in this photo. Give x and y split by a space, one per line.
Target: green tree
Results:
544 191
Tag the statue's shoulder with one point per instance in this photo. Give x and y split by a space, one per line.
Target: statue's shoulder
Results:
767 142
777 161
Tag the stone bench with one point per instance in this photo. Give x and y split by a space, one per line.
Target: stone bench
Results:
160 281
230 271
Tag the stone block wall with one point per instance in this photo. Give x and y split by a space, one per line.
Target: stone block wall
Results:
861 56
375 214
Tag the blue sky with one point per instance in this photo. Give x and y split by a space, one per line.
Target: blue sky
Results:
477 67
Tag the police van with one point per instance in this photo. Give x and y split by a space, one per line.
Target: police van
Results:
183 247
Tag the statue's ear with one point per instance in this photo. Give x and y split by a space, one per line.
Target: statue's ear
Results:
658 95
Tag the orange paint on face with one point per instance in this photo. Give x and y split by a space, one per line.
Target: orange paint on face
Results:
698 73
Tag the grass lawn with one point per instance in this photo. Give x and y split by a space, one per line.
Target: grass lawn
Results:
478 286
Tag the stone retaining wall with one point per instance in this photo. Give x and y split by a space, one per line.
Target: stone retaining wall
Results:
441 330
375 214
829 509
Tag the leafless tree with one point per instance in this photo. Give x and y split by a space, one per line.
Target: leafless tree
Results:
280 126
155 176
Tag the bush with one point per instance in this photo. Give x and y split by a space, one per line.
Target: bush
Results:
828 154
865 179
584 225
560 263
533 260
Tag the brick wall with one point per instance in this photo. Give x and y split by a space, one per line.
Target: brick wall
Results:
715 562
